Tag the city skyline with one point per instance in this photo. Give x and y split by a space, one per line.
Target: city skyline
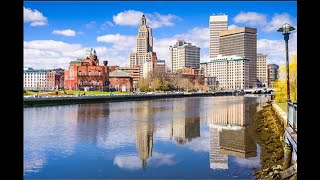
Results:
52 40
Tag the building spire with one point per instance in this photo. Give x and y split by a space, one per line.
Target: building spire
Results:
143 20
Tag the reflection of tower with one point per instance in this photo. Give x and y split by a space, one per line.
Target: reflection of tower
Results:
238 143
186 121
217 159
144 142
228 132
144 133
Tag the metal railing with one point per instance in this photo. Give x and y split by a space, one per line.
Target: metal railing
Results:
292 115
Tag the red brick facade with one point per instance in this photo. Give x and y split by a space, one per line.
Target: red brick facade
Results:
123 84
195 76
55 79
87 74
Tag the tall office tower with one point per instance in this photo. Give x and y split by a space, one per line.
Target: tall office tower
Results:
262 69
217 23
144 46
184 54
241 42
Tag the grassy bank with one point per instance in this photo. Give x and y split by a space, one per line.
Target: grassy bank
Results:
71 92
268 132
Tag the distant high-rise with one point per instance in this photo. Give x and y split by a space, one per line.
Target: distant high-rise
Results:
144 46
183 55
273 74
217 23
241 42
262 69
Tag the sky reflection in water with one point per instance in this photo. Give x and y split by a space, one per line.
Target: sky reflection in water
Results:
196 137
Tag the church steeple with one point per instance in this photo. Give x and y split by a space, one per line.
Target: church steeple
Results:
143 20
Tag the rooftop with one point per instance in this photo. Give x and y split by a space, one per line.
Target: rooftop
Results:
238 30
220 17
118 73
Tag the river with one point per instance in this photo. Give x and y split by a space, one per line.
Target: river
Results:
191 137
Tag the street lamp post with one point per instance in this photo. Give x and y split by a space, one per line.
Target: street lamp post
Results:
285 29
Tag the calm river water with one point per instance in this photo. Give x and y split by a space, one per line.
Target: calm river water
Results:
194 137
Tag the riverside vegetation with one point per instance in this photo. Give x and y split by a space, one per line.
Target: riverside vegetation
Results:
268 132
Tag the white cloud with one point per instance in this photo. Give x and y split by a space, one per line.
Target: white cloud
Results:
127 162
154 20
115 38
232 26
128 18
200 144
34 17
53 54
198 36
253 162
133 162
157 20
277 21
275 49
122 46
250 18
38 23
66 32
160 159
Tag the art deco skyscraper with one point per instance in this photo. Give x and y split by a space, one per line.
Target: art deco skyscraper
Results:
217 23
144 46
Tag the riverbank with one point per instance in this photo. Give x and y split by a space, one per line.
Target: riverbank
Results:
75 99
268 132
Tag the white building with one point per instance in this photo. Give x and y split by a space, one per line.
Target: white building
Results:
34 79
262 69
217 23
144 46
184 55
231 72
149 66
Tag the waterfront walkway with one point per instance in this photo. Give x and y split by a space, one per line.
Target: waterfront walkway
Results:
290 137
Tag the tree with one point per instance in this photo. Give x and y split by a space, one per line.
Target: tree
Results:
281 83
143 85
155 84
185 84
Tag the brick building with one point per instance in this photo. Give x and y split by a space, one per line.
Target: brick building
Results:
87 74
113 68
195 76
120 81
55 79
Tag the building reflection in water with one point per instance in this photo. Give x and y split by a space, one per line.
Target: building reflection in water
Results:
229 135
144 132
92 121
185 124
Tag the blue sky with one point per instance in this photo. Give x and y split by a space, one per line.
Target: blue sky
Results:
57 32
